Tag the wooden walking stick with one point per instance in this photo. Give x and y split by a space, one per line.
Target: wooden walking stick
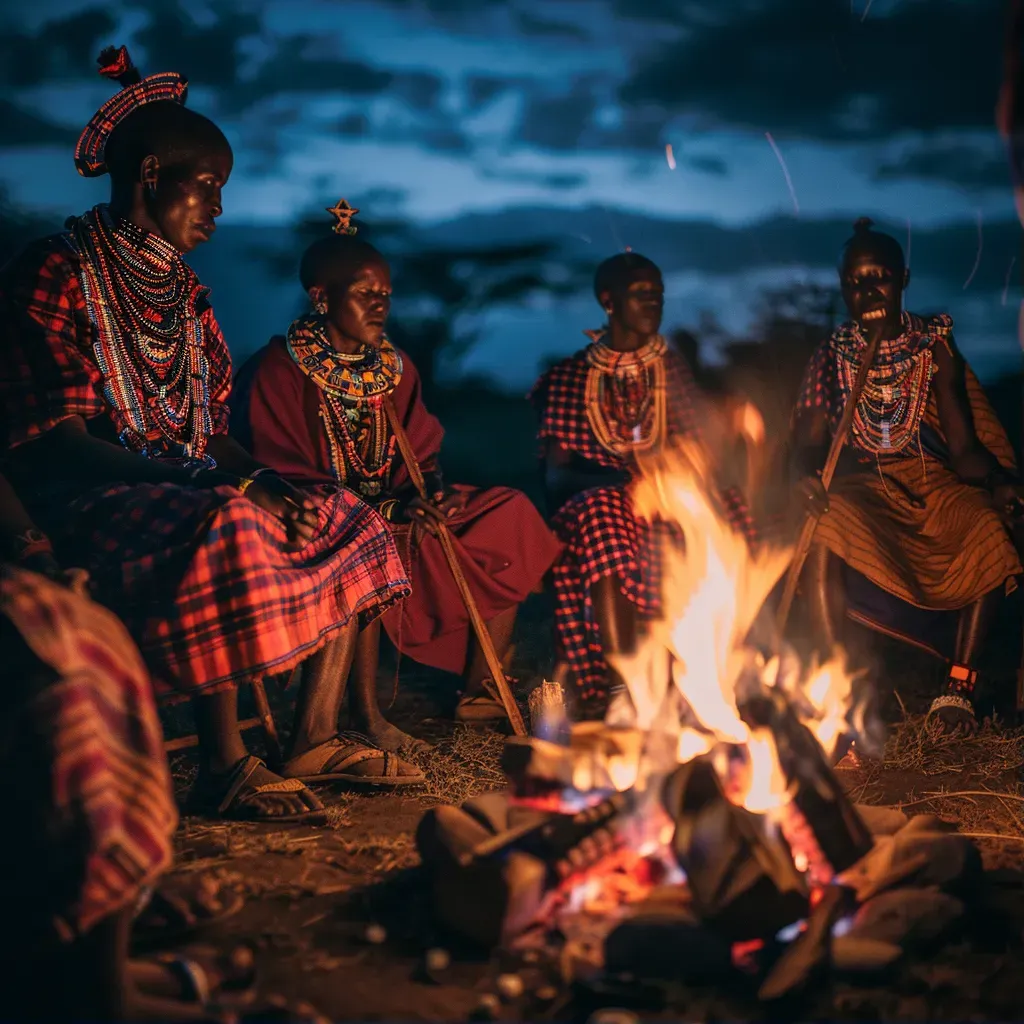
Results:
803 544
445 538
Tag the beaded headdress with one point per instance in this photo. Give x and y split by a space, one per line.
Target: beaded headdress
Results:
136 91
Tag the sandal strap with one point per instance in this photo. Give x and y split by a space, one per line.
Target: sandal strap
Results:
244 772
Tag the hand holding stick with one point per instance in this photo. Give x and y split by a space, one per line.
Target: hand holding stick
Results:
451 556
803 544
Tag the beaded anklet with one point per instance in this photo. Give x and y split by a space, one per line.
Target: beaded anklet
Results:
960 684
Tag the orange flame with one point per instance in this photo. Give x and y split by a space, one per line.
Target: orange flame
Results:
691 671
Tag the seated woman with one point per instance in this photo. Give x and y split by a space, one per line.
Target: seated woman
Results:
114 378
627 392
920 502
316 408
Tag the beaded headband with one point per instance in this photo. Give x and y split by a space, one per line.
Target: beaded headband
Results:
136 91
343 214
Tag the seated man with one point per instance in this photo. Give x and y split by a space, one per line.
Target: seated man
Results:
316 406
114 378
626 393
927 471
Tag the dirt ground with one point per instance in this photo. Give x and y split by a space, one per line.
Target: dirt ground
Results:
312 894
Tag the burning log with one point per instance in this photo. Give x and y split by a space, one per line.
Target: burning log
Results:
817 795
742 879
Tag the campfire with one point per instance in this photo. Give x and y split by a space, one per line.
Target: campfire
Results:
700 831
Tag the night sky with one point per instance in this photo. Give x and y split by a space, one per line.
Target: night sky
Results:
494 120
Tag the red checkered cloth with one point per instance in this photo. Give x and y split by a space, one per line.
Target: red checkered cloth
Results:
48 366
94 817
208 586
602 534
204 580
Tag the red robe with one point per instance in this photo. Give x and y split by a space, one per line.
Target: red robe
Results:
503 544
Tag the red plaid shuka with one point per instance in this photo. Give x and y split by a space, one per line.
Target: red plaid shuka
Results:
204 579
601 532
82 738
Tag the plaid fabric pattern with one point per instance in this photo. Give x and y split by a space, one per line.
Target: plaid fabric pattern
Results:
602 534
48 368
82 736
559 399
90 151
602 537
207 585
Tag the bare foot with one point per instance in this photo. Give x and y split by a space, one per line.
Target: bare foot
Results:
390 737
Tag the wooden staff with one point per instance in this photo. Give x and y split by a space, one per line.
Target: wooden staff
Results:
803 544
445 538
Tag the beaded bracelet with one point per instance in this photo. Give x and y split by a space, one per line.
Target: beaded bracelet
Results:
387 508
245 483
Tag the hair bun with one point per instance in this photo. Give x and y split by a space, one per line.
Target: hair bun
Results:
862 225
115 64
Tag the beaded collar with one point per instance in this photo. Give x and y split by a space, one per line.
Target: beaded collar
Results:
624 395
603 357
368 374
892 405
149 342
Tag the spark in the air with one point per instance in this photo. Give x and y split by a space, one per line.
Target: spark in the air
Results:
785 171
977 258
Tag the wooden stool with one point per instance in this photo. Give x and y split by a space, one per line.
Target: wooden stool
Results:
264 719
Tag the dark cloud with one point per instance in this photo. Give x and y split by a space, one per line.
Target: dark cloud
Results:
23 127
970 165
554 181
211 51
572 120
536 25
708 164
480 90
59 50
812 68
354 126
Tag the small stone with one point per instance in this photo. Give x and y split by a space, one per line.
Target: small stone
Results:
510 986
376 934
437 959
488 1007
613 1015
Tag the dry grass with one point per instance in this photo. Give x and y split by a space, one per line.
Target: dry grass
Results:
464 765
973 781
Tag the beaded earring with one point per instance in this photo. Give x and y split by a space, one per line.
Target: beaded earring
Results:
320 307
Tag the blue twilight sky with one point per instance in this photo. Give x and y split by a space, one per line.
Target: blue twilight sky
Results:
526 119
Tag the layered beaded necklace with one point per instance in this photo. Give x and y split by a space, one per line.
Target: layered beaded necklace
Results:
149 341
625 395
889 414
352 390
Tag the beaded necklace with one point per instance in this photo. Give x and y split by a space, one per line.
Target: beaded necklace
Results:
888 417
149 342
625 395
352 390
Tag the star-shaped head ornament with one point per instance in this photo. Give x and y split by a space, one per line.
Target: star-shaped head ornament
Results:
343 214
